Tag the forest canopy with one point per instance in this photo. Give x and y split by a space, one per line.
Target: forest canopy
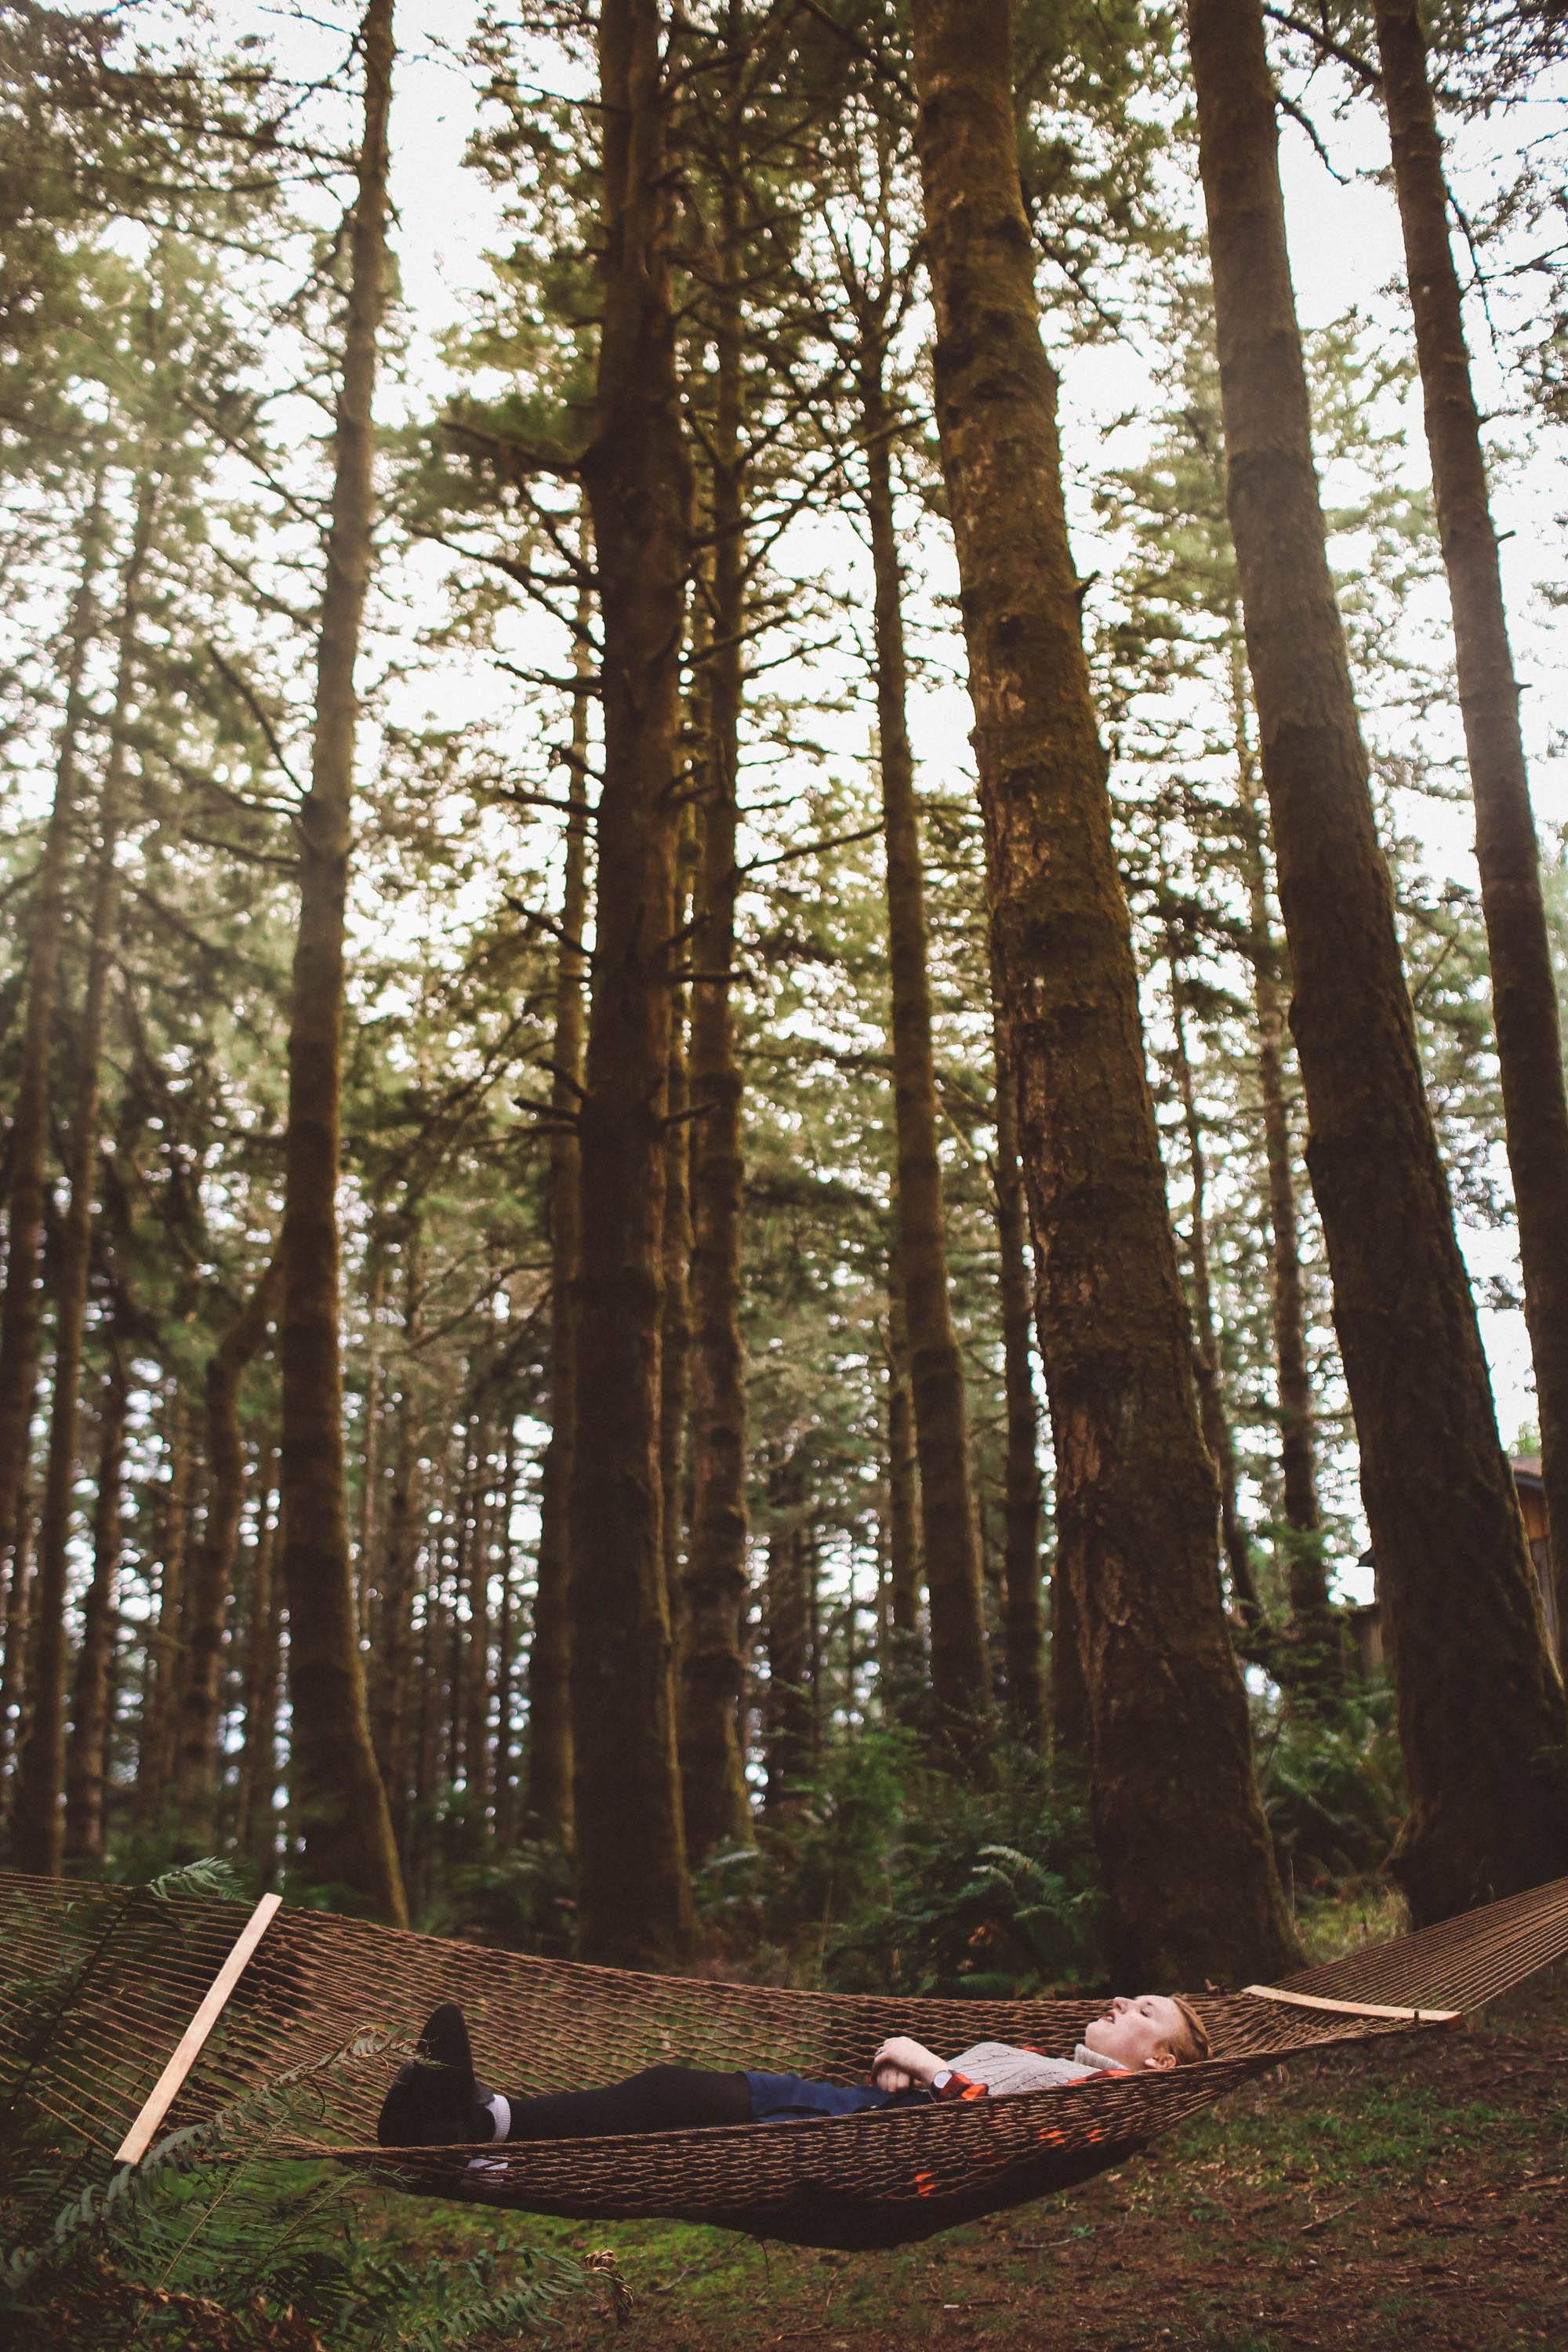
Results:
784 1138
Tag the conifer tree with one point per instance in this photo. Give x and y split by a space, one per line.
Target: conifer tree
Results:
1480 1701
1524 995
339 1802
633 1899
1135 1490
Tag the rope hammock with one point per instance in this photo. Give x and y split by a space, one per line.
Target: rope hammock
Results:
283 2026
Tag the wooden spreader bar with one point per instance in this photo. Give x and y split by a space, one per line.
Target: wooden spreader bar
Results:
1355 2007
188 2049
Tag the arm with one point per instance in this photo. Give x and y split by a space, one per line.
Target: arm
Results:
901 2062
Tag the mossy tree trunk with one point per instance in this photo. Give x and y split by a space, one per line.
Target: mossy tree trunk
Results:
1524 995
633 1893
1480 1701
338 1803
960 1675
1177 1818
38 1829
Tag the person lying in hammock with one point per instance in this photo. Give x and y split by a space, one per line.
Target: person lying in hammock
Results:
438 2103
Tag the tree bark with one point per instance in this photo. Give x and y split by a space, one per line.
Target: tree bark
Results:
38 1829
1212 1410
632 1893
161 1684
903 1476
1479 1699
477 1663
549 1803
960 1678
255 1826
675 1258
1317 1661
389 1714
712 1677
370 1438
504 1778
1023 1609
1177 1818
212 1568
1524 995
786 1634
29 1125
86 1749
338 1803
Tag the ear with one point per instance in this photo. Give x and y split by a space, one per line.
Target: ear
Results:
1162 2059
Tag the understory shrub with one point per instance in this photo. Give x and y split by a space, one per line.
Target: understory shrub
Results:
889 1876
1333 1788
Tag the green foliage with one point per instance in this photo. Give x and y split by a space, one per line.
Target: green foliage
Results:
1333 1788
200 2244
889 1877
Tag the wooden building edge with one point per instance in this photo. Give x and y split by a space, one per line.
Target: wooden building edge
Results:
1364 1619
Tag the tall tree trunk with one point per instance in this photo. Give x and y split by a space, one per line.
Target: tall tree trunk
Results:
1316 1664
1212 1409
86 1749
713 1782
1524 995
1177 1817
959 1675
370 1436
505 1776
391 1694
212 1561
1307 1577
29 1125
1023 1609
476 1692
549 1782
1480 1698
18 1622
256 1821
903 1475
632 1893
37 1831
786 1634
675 1255
165 1665
338 1804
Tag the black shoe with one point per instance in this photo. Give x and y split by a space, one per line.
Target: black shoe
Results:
436 2102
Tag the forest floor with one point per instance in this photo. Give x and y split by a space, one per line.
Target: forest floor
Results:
1414 2194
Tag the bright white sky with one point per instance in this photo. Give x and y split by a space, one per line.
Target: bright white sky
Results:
1345 252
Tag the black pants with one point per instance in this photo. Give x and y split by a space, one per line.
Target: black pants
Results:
662 2098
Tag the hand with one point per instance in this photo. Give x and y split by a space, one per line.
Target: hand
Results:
901 2056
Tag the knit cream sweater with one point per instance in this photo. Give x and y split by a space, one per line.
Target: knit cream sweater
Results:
1005 2069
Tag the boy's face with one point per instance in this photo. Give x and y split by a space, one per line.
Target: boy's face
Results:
1133 2032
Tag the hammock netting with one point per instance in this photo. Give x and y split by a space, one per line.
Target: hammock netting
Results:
98 1983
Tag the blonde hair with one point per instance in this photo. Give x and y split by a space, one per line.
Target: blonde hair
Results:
1190 2046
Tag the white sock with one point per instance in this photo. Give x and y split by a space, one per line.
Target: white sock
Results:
500 2111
